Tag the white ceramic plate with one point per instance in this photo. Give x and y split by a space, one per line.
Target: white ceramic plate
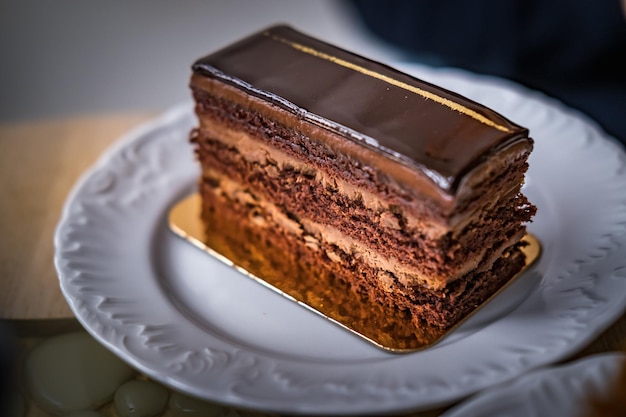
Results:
564 391
196 325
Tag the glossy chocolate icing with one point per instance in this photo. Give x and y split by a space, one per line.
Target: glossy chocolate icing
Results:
418 124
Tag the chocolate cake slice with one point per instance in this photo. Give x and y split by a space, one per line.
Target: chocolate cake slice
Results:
350 177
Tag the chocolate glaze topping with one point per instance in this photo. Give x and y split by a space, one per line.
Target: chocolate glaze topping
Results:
416 123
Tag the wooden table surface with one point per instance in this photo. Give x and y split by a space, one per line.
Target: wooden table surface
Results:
39 164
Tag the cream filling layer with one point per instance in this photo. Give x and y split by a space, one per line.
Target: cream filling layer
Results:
275 160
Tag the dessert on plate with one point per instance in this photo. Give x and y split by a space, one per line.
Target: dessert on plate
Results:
342 180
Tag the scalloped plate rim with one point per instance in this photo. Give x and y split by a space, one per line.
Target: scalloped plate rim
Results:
138 342
596 371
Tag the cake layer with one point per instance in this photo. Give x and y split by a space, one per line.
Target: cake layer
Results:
260 156
329 214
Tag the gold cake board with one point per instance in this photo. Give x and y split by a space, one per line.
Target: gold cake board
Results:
384 327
